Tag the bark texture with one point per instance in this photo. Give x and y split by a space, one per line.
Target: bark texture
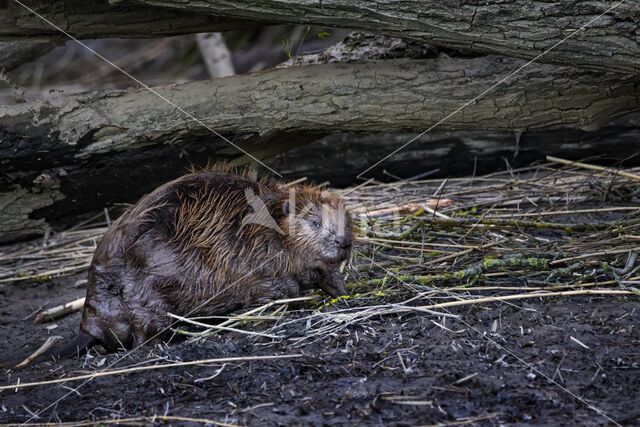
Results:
99 19
519 28
393 95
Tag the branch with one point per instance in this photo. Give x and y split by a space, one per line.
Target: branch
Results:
519 28
395 95
99 19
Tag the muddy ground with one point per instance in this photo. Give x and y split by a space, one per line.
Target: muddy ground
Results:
501 364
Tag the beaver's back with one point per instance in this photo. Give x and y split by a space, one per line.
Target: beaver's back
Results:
181 249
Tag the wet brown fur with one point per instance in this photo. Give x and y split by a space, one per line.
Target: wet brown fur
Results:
184 249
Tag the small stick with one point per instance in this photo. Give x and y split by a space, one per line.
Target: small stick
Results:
435 213
59 311
523 296
429 205
260 309
426 310
593 167
137 420
460 253
467 378
357 187
222 328
297 181
594 254
411 243
107 373
540 225
565 212
47 273
43 348
580 343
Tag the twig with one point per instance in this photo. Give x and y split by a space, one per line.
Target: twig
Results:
488 263
593 167
526 296
219 327
59 311
148 368
43 348
143 420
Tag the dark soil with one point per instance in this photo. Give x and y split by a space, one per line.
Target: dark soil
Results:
397 370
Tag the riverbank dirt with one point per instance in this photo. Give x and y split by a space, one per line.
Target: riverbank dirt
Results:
524 363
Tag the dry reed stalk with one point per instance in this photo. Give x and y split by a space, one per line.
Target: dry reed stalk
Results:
106 373
150 420
593 167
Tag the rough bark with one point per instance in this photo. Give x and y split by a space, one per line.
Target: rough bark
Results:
99 19
77 154
520 28
358 46
393 95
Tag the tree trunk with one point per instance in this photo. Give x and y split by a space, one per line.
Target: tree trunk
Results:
76 154
99 19
395 95
216 54
518 28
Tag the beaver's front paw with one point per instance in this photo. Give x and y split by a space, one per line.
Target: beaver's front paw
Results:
334 285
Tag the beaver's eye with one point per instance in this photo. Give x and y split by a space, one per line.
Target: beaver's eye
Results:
315 223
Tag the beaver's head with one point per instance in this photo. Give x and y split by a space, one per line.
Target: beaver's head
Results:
318 227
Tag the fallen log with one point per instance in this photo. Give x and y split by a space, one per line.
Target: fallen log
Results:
101 19
395 95
518 28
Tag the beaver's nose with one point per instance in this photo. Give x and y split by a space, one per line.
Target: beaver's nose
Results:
343 242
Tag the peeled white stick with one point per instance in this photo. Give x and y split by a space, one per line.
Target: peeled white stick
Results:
59 311
43 348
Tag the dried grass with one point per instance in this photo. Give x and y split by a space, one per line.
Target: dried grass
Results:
424 246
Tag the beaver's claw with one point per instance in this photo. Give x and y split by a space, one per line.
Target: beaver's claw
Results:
334 286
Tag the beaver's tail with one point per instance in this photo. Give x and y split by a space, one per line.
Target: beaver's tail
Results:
76 347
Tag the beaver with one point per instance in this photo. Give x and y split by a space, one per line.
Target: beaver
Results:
208 243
